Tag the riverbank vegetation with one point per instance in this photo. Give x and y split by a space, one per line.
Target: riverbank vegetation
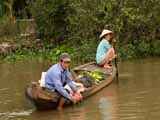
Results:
74 26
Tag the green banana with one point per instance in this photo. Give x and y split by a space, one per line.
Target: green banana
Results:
97 76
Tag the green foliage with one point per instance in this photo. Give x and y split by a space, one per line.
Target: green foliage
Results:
155 50
51 18
55 53
143 49
3 8
82 21
74 26
126 52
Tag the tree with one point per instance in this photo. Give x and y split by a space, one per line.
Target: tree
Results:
81 21
51 18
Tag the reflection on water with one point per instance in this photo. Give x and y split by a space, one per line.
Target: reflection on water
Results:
104 106
135 98
108 103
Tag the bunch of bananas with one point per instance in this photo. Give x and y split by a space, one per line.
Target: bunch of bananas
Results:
97 76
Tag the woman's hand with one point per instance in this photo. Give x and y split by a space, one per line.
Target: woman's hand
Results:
115 56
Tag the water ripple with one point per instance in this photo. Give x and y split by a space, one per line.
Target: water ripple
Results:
16 114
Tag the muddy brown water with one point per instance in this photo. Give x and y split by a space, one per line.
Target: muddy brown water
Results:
137 96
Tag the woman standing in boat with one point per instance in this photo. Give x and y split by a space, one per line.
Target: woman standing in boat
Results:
105 51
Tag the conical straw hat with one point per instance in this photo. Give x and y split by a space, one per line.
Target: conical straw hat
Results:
104 32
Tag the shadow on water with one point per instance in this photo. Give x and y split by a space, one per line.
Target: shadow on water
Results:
135 98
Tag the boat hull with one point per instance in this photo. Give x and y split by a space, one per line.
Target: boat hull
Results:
46 102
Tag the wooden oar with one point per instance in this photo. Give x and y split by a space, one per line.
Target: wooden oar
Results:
116 64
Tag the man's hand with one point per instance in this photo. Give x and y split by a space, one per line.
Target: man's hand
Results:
76 97
78 94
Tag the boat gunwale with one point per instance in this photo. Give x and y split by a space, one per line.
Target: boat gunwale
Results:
91 91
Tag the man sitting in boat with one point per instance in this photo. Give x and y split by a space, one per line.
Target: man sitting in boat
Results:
57 77
105 52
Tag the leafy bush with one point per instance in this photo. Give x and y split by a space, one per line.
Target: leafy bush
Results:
51 18
76 25
79 21
155 48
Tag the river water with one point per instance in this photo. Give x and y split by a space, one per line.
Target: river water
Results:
136 97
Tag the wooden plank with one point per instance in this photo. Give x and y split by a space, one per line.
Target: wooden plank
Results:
82 66
98 87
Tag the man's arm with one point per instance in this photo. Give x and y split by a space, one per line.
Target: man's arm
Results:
70 82
56 79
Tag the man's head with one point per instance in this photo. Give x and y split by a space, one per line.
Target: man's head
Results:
65 60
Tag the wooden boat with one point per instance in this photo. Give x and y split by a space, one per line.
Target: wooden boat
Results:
45 102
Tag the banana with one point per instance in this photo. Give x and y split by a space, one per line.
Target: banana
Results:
97 76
